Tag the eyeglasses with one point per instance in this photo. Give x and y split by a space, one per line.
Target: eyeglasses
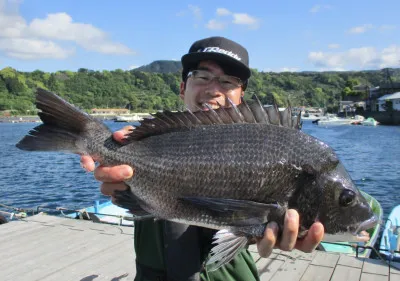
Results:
204 77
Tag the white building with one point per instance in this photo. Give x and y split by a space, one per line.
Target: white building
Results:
395 98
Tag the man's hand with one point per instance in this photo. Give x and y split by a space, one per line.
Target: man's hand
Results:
289 240
111 177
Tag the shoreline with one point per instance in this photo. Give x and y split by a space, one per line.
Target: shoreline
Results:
36 119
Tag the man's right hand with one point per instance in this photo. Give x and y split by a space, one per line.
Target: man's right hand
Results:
111 177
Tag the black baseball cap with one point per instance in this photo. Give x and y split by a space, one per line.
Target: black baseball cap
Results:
231 56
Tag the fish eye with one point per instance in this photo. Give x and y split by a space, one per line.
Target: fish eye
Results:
346 198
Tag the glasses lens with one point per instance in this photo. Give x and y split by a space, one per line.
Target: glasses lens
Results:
203 77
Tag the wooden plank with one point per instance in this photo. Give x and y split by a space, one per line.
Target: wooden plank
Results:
394 277
109 264
347 273
350 261
395 268
373 277
267 267
291 270
317 273
325 259
96 249
375 267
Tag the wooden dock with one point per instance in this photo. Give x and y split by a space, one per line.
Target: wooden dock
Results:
45 247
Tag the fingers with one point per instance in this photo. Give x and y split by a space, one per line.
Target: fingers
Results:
290 230
109 188
267 243
87 163
313 238
113 174
120 135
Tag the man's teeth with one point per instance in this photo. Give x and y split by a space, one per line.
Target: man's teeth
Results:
208 105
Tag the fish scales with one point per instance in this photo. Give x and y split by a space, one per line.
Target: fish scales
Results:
191 163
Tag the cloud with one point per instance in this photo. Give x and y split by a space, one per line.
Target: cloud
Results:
28 49
360 29
232 18
245 19
333 46
357 58
196 11
223 12
46 38
215 25
319 8
387 27
288 69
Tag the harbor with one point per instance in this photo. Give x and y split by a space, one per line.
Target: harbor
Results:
45 247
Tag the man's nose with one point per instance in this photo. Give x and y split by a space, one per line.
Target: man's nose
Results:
214 88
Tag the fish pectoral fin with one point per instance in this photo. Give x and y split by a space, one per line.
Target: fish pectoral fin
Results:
127 200
241 212
227 246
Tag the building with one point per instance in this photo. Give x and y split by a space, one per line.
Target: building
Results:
110 111
394 98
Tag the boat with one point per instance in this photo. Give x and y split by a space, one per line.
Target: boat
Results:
128 118
333 120
102 212
389 246
369 122
359 249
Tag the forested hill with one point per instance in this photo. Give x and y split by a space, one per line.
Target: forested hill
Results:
155 89
161 66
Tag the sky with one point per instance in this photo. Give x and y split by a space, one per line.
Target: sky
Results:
286 35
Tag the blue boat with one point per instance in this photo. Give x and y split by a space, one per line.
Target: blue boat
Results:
390 242
105 212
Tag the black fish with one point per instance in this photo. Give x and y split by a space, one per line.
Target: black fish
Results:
232 169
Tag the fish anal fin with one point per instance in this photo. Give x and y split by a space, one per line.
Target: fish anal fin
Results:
228 244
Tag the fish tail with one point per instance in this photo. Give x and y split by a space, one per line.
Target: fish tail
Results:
64 128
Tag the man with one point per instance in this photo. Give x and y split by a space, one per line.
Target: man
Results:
215 70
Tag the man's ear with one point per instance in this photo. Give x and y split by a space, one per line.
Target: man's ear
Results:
182 90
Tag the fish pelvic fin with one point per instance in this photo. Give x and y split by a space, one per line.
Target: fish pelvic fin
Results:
127 200
64 128
228 244
238 213
246 112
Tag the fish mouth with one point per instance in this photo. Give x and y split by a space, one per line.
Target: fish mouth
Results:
367 224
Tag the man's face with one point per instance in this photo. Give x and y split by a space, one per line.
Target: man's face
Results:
195 96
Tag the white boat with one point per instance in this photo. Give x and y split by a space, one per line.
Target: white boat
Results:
333 120
128 118
369 122
310 117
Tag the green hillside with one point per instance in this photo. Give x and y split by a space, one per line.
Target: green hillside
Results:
157 88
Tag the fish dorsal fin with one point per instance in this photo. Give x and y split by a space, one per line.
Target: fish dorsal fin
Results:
246 112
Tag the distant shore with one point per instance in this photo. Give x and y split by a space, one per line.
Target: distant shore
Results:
19 119
36 119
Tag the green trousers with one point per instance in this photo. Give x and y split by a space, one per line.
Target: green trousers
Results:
168 251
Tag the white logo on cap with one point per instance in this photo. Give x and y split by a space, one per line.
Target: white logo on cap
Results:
221 51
